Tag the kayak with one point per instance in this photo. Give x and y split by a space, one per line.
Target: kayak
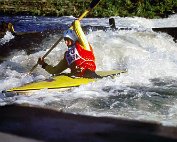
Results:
60 83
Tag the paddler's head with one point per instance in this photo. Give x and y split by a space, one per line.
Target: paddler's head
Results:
69 37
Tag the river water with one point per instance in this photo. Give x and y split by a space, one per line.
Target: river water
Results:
148 91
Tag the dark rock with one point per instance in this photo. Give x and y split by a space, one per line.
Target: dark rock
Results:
28 124
169 30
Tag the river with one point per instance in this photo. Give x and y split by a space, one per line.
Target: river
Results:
146 92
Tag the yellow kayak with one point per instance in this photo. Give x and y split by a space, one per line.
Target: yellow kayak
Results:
60 83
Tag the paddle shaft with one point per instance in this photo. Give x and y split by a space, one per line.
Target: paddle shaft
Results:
91 6
47 53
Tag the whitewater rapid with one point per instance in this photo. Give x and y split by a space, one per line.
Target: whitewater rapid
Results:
146 92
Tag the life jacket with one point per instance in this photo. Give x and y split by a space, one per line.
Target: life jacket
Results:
79 59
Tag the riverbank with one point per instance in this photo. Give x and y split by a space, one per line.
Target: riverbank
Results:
34 124
130 8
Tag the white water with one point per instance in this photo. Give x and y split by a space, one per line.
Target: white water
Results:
7 37
143 93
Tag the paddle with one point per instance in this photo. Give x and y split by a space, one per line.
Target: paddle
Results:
91 6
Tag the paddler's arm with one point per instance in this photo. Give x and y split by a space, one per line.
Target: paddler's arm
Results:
81 36
60 67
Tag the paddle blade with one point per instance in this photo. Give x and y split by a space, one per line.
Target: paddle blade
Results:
94 3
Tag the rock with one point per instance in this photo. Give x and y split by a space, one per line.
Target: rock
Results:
31 124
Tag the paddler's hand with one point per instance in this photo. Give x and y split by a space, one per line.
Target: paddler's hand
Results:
42 62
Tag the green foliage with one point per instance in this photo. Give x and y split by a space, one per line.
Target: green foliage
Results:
106 8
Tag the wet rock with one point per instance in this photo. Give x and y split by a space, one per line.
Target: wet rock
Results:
30 124
169 30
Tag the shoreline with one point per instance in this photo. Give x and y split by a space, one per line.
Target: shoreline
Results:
147 9
31 124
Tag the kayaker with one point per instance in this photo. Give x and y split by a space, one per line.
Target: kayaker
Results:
4 27
79 57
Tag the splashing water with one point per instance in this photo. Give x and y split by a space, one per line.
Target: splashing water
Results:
146 92
7 37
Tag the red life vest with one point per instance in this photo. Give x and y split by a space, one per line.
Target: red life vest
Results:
79 59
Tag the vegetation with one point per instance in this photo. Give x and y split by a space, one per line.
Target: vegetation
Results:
106 8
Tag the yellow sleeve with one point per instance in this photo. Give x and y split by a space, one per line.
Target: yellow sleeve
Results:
81 36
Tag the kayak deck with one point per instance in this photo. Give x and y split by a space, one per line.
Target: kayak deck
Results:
61 82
